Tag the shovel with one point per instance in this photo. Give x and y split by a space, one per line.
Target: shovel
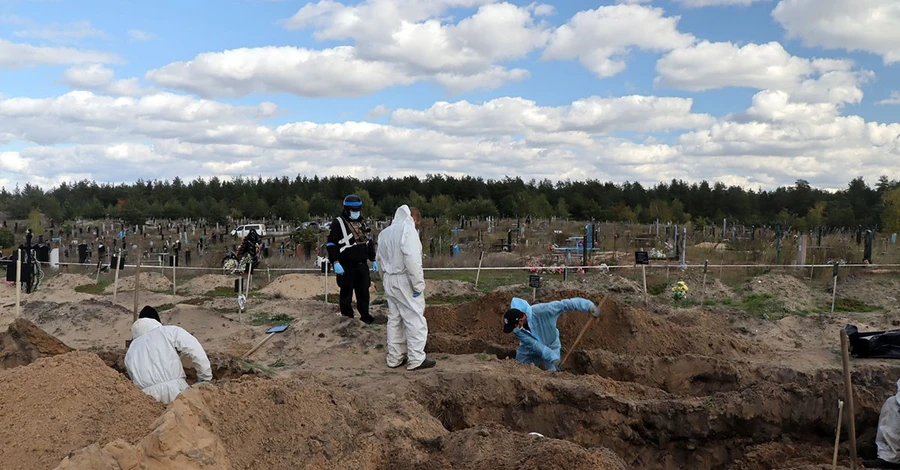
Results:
271 332
584 330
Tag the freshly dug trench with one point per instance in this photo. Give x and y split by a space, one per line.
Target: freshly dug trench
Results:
307 423
653 430
476 327
23 343
223 365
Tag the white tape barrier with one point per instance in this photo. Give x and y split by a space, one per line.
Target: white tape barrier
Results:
543 268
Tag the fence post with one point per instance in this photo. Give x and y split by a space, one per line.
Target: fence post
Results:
116 280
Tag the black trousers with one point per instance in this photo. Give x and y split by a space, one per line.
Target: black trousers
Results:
355 278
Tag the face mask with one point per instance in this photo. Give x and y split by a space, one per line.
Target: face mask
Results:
354 215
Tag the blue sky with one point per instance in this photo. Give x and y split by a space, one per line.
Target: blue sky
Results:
152 36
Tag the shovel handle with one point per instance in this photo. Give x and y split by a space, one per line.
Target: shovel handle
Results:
268 337
584 330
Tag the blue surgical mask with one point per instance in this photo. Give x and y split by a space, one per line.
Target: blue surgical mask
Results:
354 215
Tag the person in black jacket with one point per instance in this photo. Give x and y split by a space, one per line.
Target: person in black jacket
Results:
350 248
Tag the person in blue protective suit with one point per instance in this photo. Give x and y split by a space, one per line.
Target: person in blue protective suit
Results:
535 326
350 248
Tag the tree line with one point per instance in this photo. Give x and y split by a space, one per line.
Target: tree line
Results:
800 206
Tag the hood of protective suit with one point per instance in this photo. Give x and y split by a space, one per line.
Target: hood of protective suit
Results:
143 326
521 305
402 216
897 396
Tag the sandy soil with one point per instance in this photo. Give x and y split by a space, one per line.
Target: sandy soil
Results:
80 401
790 290
710 388
299 286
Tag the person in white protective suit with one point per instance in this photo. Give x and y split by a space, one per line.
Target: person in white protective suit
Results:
887 438
153 360
400 259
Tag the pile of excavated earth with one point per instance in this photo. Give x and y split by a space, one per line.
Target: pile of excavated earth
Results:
665 389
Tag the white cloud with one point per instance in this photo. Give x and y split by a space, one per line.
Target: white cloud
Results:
713 3
330 72
20 56
84 117
706 66
161 135
138 35
417 41
601 39
893 99
859 25
379 111
59 32
88 76
594 115
98 77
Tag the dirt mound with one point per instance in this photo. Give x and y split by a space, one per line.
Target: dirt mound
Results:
789 290
150 280
24 342
60 404
714 288
205 283
65 281
281 424
751 428
500 449
476 327
299 286
449 288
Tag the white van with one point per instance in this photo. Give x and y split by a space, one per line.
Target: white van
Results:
243 230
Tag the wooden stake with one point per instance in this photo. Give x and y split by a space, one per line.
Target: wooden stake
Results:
137 284
837 435
174 262
833 294
18 284
848 396
116 279
478 273
583 330
644 274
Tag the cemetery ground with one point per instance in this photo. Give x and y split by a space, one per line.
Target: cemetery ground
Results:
744 373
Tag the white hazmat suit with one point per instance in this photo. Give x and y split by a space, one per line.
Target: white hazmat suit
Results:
153 360
399 258
887 439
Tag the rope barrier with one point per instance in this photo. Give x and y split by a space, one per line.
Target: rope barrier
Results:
527 268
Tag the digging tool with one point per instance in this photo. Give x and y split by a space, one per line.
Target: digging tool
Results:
848 395
584 330
137 284
271 332
837 434
18 284
703 290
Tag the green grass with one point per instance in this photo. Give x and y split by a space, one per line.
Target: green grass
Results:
195 301
266 318
766 306
245 364
656 289
489 280
95 289
221 292
853 306
688 302
164 307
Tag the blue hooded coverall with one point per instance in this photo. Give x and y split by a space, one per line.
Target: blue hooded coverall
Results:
541 344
